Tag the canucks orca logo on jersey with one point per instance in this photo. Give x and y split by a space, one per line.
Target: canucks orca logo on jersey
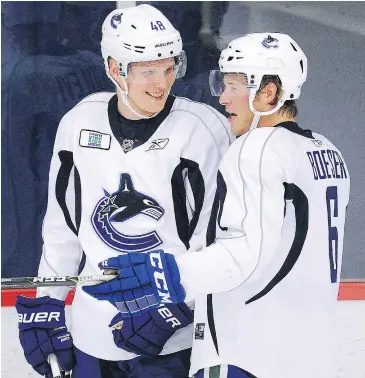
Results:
120 206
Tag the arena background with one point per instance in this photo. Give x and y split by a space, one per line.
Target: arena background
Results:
51 60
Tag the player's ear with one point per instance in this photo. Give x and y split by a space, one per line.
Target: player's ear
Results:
114 71
269 93
113 67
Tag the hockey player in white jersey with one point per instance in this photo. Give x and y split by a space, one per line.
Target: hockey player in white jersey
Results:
130 172
266 288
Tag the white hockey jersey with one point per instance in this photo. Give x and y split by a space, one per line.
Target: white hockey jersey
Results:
103 202
274 269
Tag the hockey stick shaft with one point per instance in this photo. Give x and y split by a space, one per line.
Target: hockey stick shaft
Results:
70 281
56 370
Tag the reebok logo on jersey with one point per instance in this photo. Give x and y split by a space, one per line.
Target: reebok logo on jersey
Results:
158 144
94 139
318 143
199 331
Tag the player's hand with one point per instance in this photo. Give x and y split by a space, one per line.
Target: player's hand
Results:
147 333
43 331
145 280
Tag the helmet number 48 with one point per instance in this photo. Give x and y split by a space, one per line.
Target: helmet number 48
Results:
158 25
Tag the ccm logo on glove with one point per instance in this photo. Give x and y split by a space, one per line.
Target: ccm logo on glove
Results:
39 317
169 316
160 279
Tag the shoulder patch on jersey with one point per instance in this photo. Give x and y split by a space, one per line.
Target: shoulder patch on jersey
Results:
94 139
158 144
318 143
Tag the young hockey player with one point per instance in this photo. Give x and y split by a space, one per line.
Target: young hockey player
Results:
130 172
266 288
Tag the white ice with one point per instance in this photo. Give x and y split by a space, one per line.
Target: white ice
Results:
351 362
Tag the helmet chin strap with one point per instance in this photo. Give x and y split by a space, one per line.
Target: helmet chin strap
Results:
257 115
124 97
255 121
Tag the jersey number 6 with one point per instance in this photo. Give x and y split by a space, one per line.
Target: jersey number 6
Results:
331 196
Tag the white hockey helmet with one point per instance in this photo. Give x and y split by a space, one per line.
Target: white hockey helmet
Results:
260 54
139 34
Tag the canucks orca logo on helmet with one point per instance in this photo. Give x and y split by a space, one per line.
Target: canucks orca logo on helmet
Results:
270 42
120 206
116 20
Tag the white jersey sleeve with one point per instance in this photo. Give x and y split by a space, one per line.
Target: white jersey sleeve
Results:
62 251
251 214
198 169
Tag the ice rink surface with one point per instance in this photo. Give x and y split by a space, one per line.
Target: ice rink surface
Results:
351 361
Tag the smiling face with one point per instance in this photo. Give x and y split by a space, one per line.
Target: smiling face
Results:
235 99
149 84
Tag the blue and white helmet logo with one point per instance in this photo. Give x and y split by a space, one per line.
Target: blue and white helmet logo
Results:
270 42
116 20
120 206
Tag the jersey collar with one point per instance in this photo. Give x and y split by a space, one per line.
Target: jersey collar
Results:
115 119
294 128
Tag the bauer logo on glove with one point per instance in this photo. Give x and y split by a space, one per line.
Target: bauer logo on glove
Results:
39 317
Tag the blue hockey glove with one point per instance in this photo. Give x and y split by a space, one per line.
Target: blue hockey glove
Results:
147 333
145 280
43 331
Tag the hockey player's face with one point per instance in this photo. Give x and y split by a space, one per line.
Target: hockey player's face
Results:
149 84
235 99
